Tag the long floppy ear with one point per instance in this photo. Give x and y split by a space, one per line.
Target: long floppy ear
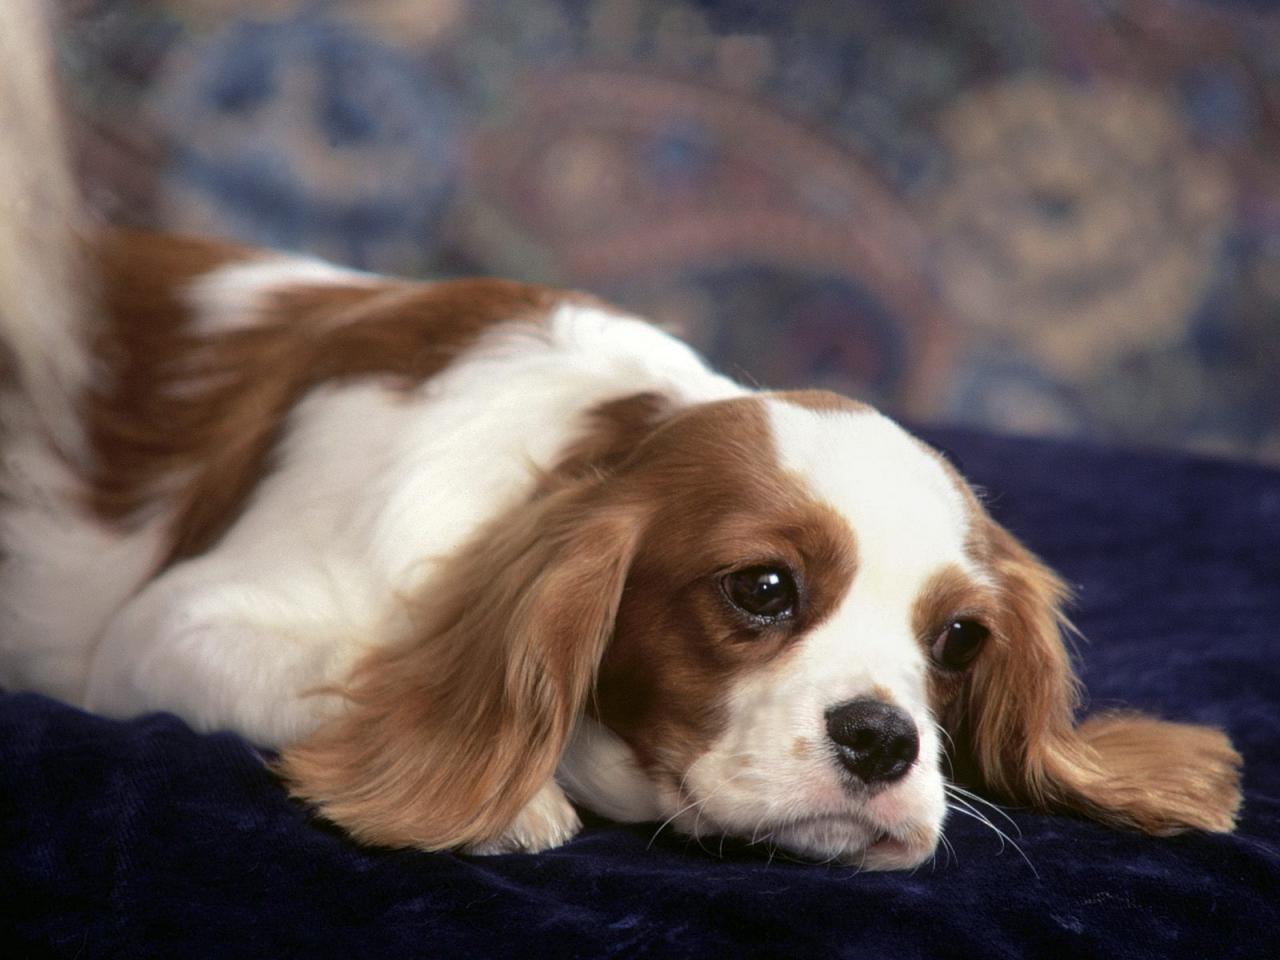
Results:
1015 719
449 735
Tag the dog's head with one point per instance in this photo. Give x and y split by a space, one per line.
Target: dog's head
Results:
768 617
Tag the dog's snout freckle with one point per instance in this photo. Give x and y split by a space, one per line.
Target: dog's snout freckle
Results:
799 748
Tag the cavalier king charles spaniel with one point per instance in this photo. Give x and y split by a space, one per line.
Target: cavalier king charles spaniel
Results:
468 553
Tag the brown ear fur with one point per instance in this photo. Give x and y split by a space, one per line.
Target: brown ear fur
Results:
1015 717
450 734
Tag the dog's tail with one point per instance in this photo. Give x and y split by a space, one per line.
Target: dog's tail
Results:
45 300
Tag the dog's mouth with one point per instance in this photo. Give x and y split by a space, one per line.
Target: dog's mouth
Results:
840 838
858 843
888 852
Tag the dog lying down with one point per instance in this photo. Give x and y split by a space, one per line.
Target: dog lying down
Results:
469 552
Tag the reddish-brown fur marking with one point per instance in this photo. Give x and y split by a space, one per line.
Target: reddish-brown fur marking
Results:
194 419
949 595
448 735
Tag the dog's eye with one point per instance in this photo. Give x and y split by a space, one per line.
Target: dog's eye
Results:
765 592
959 643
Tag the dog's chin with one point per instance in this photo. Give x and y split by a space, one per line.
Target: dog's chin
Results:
842 840
838 839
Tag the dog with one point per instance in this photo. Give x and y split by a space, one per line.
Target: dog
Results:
468 553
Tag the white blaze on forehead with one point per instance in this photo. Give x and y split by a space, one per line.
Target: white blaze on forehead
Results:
908 520
902 506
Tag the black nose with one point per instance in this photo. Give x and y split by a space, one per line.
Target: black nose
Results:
875 740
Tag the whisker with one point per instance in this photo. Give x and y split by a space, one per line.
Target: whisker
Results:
946 845
697 804
756 831
667 822
692 804
962 808
984 821
955 790
947 736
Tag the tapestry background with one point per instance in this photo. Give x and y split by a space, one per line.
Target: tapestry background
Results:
1050 216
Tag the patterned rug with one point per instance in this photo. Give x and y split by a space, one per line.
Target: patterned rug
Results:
1052 216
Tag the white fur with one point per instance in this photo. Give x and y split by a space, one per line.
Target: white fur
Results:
601 771
43 315
72 572
64 573
232 297
546 821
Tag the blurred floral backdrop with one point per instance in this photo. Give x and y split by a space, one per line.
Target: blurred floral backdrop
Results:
1052 216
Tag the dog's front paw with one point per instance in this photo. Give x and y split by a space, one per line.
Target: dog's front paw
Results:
547 821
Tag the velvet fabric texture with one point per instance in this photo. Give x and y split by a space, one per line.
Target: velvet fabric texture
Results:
143 838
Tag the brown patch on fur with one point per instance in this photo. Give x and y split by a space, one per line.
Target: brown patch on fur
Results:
450 734
949 594
881 693
1014 721
724 504
194 419
614 429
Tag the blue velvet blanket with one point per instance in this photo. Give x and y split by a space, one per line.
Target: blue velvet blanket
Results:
146 839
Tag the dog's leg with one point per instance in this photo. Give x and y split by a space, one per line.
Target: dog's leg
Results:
239 655
547 821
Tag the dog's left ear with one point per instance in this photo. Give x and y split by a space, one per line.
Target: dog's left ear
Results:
447 738
1014 723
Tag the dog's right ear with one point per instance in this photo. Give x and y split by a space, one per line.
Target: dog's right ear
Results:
448 736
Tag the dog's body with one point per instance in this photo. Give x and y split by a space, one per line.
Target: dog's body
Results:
457 429
458 548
